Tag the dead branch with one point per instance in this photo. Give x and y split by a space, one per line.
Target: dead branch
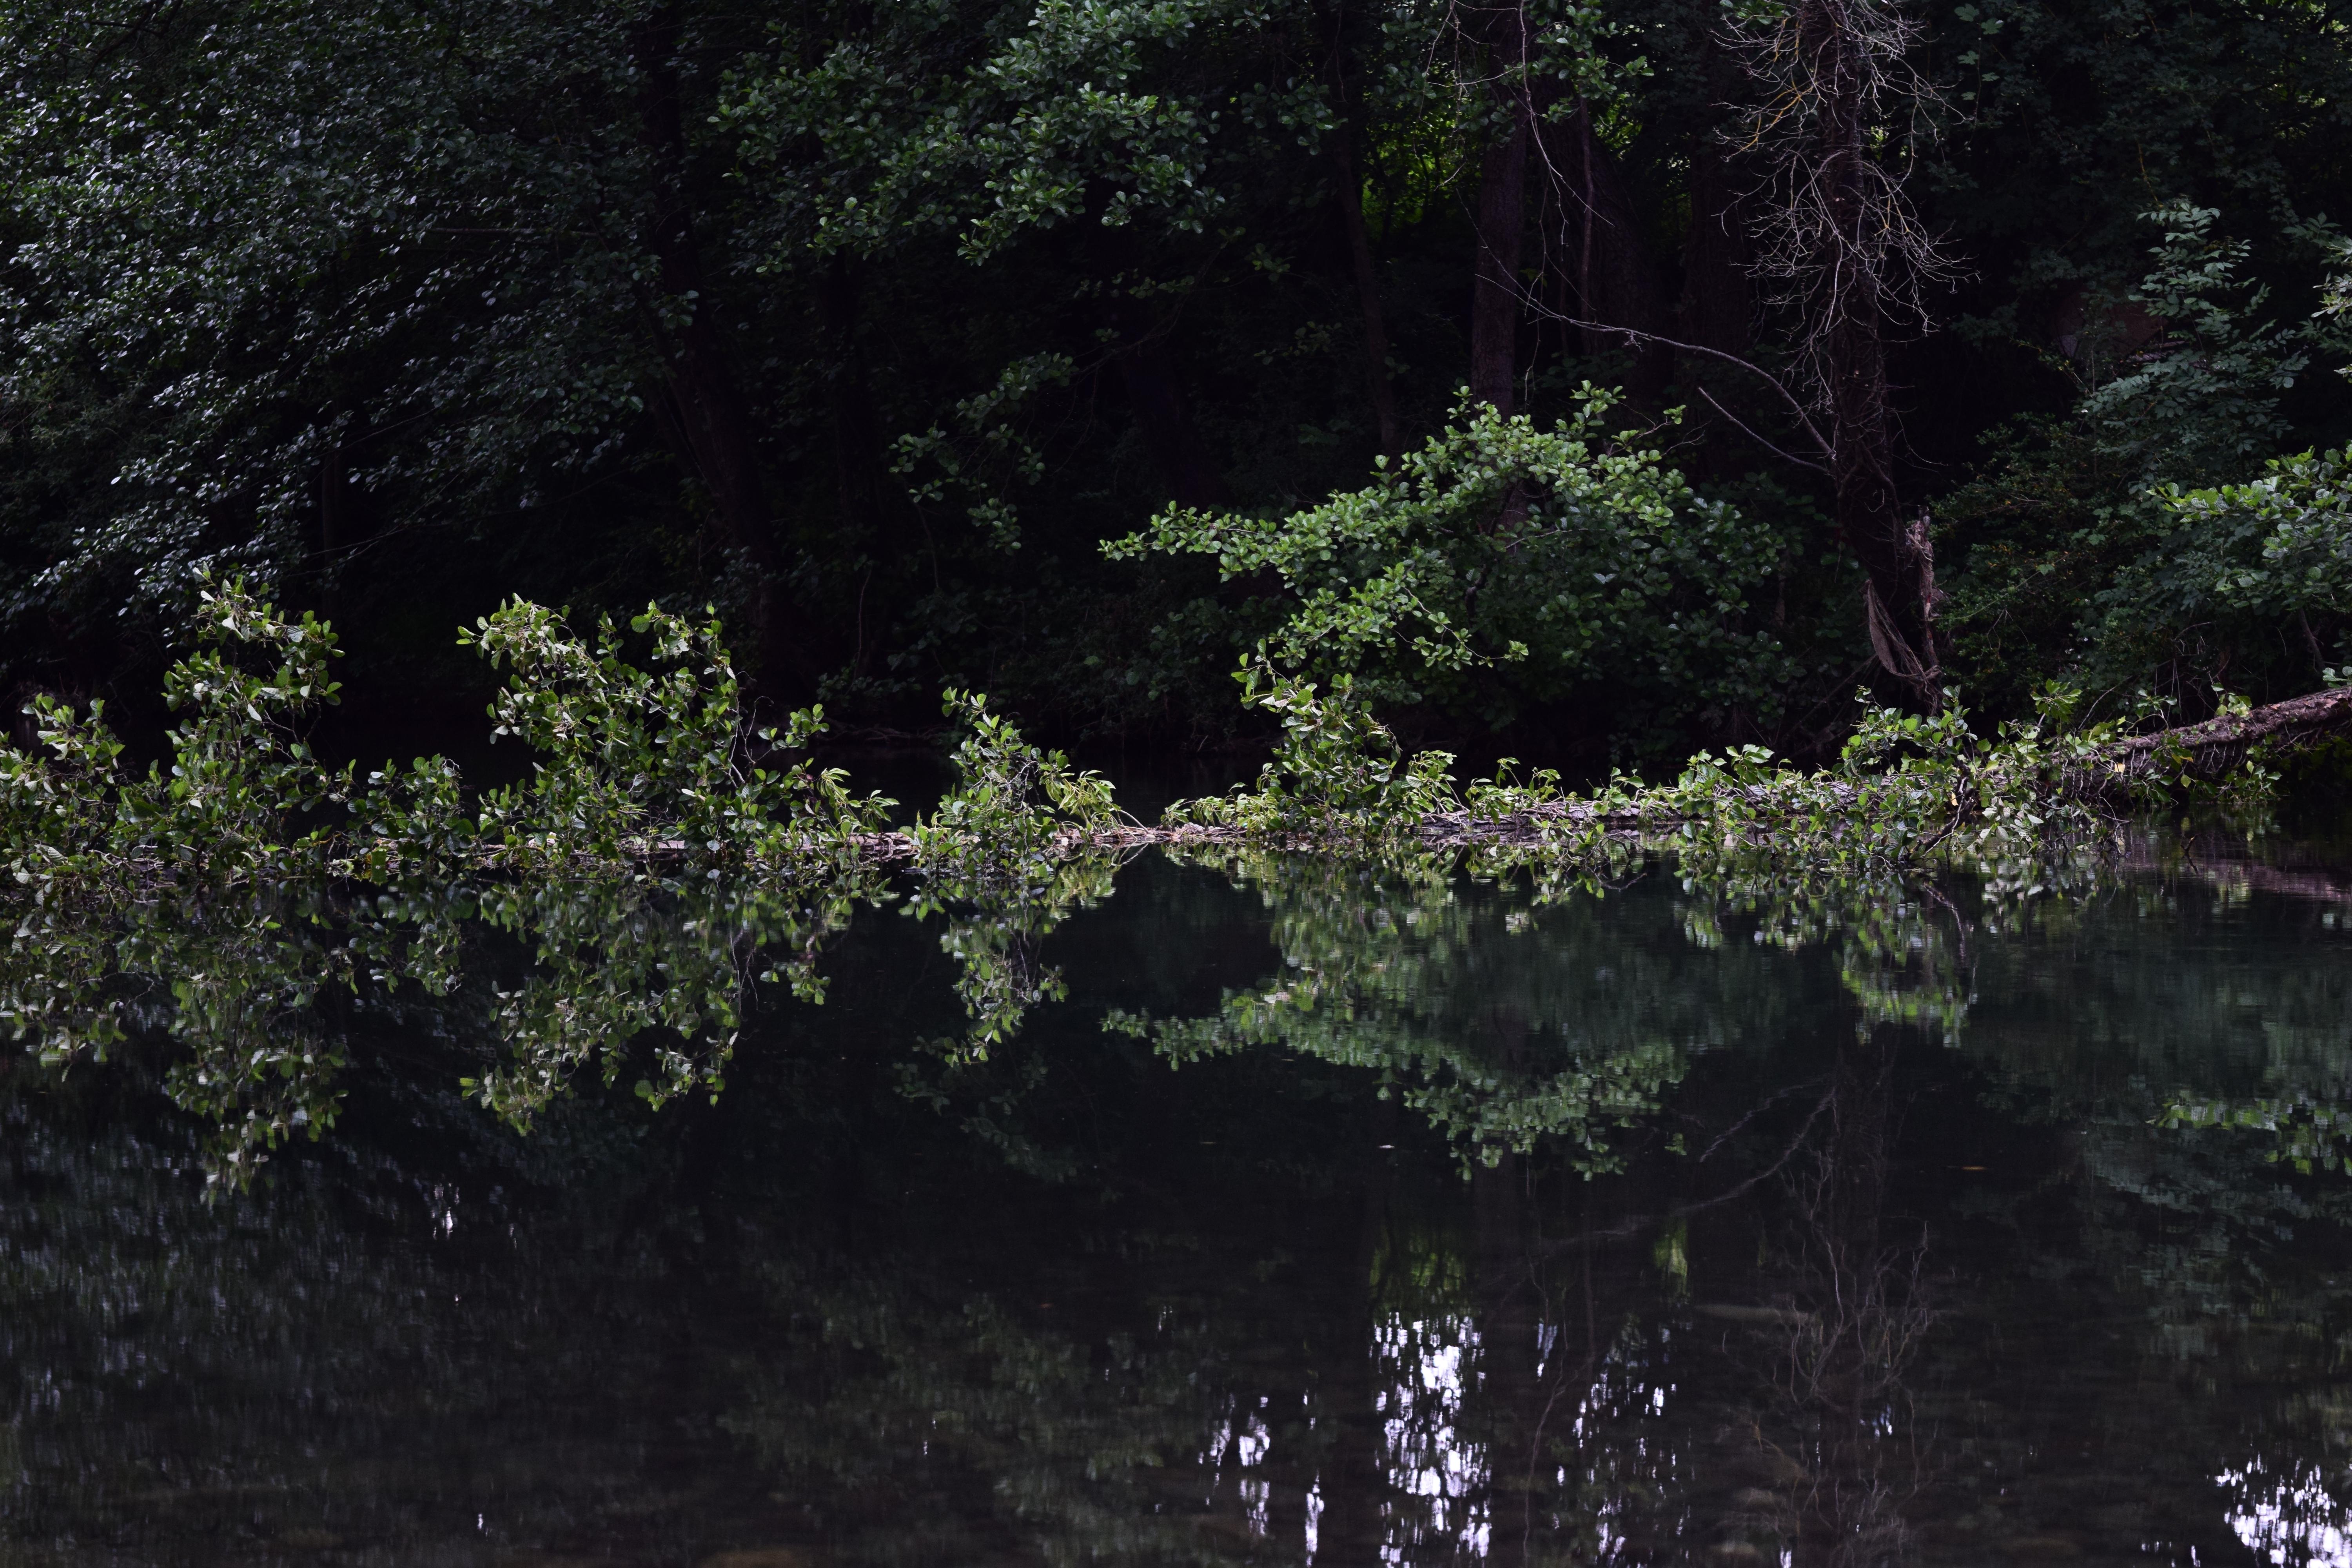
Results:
2206 752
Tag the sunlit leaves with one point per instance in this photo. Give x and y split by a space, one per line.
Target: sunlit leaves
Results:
1555 557
635 762
2282 543
1011 849
1054 113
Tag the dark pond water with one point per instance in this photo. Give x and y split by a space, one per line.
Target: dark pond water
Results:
1330 1216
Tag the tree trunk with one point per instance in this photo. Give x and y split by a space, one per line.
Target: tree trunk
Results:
1615 276
1718 300
708 416
1717 308
857 466
1350 188
1899 590
1155 394
1494 295
871 512
1368 292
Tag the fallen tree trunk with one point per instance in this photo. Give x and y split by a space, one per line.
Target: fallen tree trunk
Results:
2206 752
2203 753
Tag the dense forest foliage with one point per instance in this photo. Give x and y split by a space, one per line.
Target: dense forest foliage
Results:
1589 381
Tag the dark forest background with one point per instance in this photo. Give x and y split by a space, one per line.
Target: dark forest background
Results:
869 324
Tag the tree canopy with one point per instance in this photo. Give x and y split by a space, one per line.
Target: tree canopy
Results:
1514 357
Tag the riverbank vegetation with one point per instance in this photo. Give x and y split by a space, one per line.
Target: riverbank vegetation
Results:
1516 362
663 860
1842 447
656 771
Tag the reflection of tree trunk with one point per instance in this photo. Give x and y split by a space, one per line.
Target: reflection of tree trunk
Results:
1501 220
1224 1509
1860 1316
1354 1480
1855 1184
1289 1472
1507 1356
708 417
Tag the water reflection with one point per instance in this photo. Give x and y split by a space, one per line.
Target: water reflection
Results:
995 918
2288 1519
1409 1216
256 986
1502 1024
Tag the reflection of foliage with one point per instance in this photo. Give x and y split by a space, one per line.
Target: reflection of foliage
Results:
616 960
227 885
1902 945
931 1396
2309 1134
1463 1008
650 873
912 1418
231 975
1509 1018
994 931
1860 854
1398 963
333 1350
896 1402
2190 1035
2183 1000
1011 850
234 977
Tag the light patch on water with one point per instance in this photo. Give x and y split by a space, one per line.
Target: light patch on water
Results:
2290 1518
1427 1367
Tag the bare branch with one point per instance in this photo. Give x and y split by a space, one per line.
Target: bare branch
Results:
1742 426
1805 417
1840 235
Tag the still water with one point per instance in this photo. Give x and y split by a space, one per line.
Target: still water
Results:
1290 1212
